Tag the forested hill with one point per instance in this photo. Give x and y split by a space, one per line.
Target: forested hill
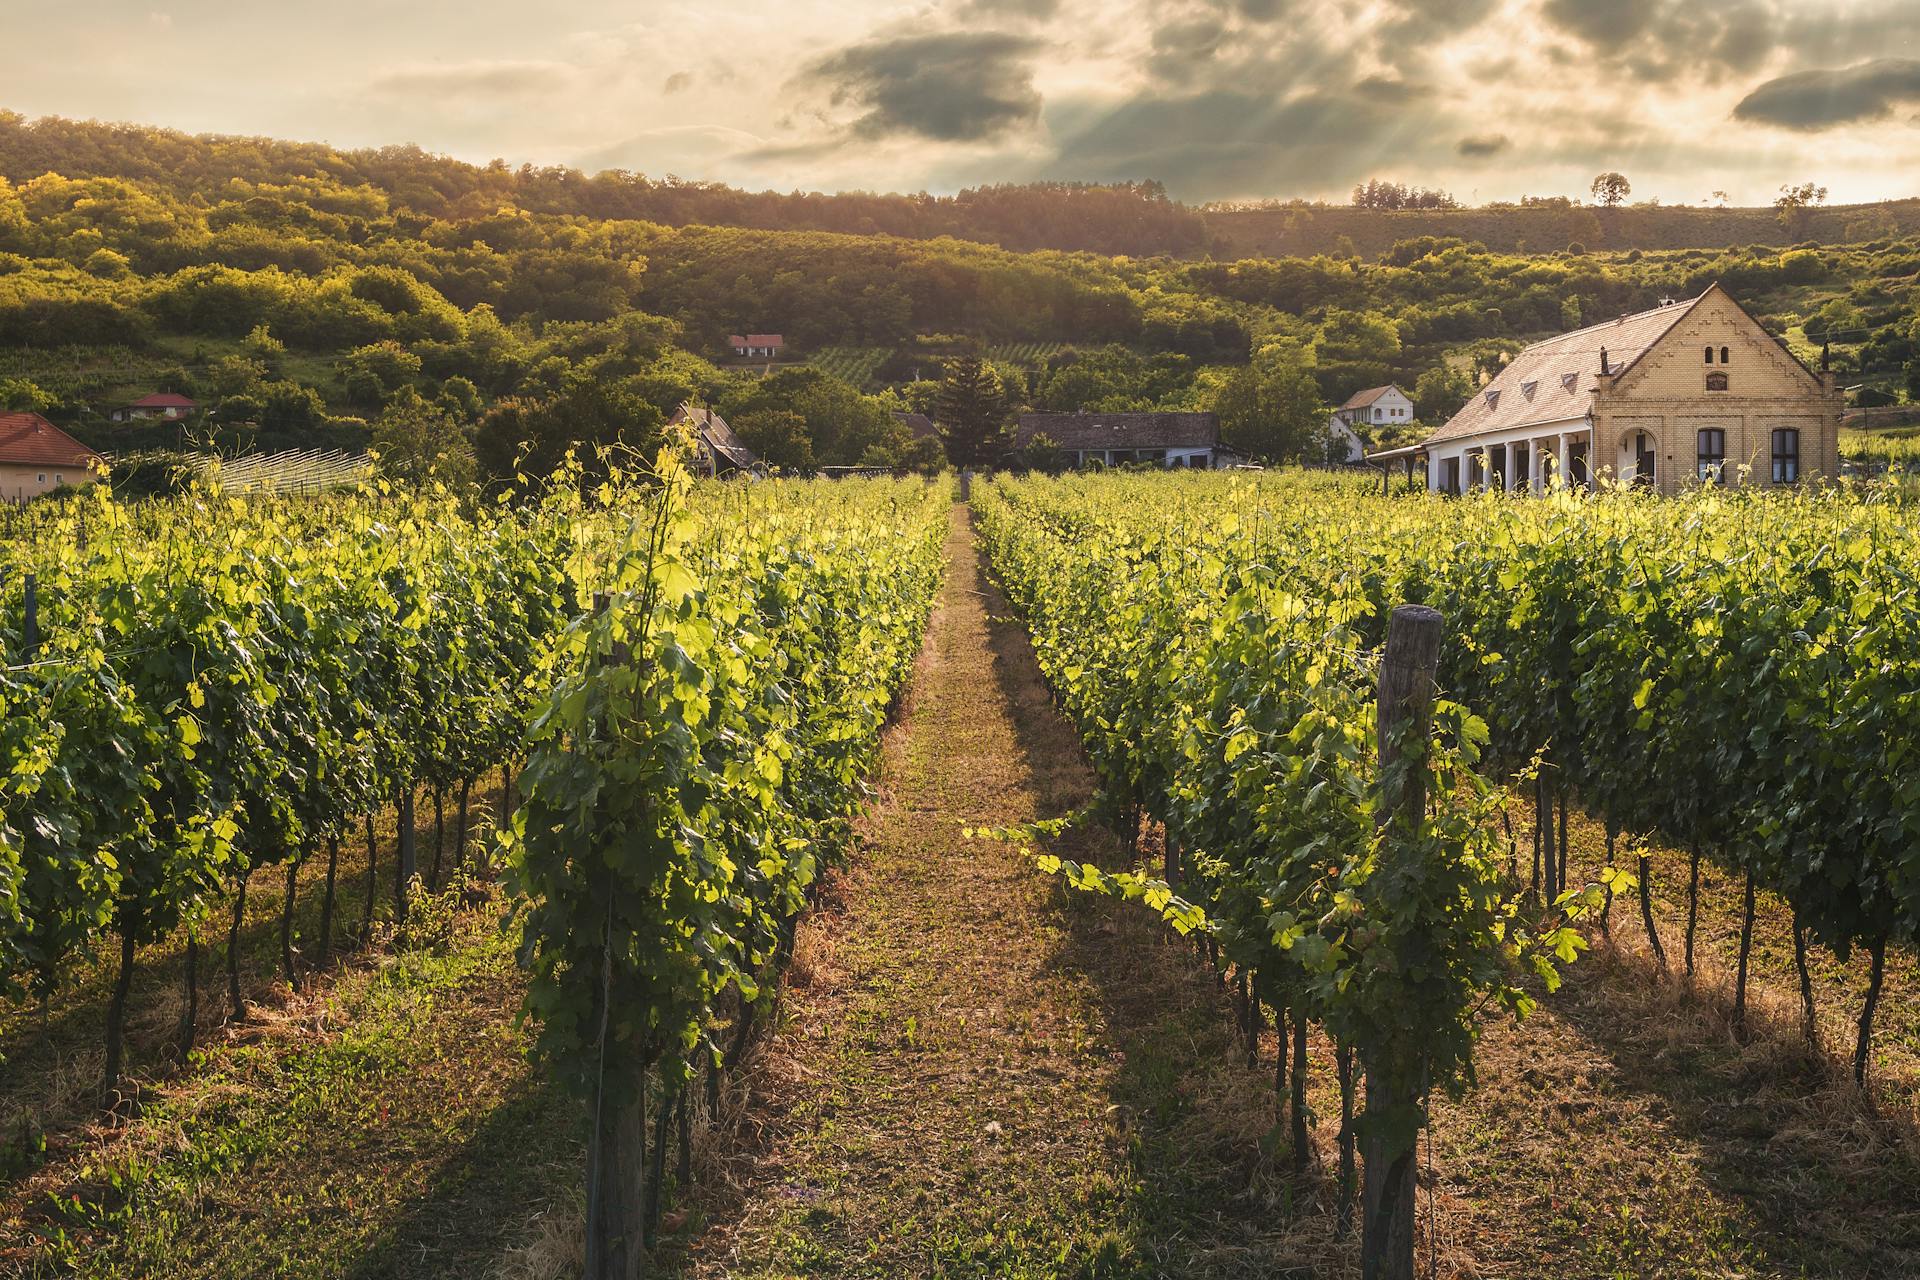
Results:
1136 219
1124 218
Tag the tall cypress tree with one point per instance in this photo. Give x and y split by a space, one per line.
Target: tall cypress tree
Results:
971 412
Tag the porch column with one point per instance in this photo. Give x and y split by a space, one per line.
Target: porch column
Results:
1537 480
1566 457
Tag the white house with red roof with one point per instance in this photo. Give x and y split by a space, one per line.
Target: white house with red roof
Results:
757 346
161 404
37 457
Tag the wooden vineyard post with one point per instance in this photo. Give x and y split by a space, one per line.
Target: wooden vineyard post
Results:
30 633
1393 1076
617 1139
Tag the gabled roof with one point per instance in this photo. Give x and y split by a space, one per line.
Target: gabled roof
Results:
757 340
1554 379
918 423
715 434
29 440
1122 430
163 400
1361 399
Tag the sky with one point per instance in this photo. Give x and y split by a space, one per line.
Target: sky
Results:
1218 99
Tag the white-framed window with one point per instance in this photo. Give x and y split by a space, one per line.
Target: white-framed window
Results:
41 478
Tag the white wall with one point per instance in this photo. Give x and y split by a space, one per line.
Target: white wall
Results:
1539 439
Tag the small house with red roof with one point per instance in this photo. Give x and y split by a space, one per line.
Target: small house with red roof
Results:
161 404
757 346
37 457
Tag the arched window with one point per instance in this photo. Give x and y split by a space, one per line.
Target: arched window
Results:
1709 355
1716 382
1723 355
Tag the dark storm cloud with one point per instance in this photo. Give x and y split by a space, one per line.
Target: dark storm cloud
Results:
1229 141
1481 145
1812 100
949 87
1655 40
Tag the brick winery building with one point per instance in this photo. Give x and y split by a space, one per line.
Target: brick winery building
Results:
1693 392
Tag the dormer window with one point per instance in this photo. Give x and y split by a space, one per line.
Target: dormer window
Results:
1493 399
1568 380
1528 388
1716 381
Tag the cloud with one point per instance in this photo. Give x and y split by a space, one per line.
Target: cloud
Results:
484 77
1481 145
1031 10
1654 40
947 87
1183 50
1225 143
1813 100
678 82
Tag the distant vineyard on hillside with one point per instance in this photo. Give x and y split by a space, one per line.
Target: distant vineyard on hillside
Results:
855 366
295 471
1026 355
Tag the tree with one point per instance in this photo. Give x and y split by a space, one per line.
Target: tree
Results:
971 411
1611 188
1794 206
778 436
1273 414
1439 393
417 441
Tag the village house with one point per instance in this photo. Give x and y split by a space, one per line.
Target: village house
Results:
717 450
1114 439
161 404
757 346
37 457
1688 392
1374 407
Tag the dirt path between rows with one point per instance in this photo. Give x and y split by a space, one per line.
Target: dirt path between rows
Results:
967 1070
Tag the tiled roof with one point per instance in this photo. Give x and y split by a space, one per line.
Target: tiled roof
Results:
29 440
757 340
1554 379
1361 399
918 423
1122 430
163 400
717 435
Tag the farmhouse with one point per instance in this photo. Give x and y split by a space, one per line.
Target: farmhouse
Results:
1689 392
37 457
1376 406
161 404
717 450
757 346
1112 439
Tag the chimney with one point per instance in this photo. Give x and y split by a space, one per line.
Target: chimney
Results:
1605 368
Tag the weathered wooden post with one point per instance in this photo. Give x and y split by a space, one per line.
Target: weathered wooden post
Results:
1395 1073
966 485
403 873
617 1139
